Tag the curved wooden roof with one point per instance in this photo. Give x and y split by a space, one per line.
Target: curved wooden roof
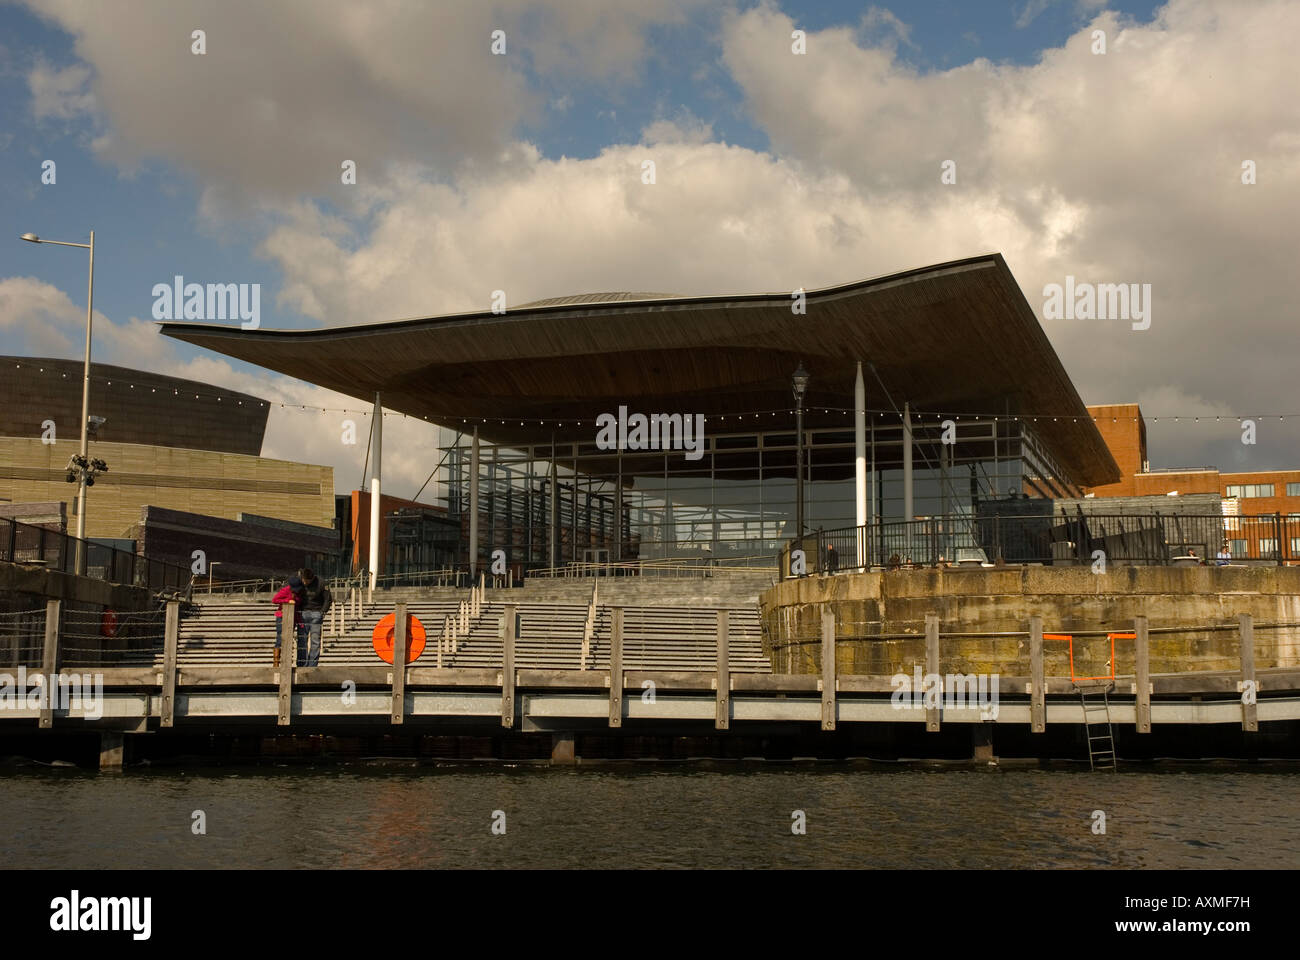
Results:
956 338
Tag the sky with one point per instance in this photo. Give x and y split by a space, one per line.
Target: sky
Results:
1107 142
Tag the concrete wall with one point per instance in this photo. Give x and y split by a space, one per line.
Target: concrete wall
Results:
870 606
24 591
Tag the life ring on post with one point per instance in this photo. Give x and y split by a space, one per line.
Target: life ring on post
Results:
385 631
108 623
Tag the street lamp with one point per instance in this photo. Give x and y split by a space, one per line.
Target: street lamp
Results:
85 396
799 383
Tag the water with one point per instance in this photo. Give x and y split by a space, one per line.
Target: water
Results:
699 814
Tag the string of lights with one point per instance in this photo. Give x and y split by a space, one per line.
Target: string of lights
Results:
740 417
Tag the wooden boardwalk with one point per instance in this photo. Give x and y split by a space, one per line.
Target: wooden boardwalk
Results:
189 693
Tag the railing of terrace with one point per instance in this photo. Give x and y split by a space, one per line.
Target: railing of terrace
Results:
1141 539
55 550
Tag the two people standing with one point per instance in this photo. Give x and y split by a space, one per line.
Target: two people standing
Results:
311 600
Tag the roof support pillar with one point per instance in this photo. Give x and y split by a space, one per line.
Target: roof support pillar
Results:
555 510
860 463
618 510
377 439
473 508
907 462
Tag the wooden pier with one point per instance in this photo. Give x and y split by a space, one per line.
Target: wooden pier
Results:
611 696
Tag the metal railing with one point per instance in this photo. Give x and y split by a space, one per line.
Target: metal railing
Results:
1058 540
55 550
692 567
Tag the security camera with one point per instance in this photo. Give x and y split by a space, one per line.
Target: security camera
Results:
94 423
72 477
90 480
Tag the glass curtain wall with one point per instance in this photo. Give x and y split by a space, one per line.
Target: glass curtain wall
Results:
738 500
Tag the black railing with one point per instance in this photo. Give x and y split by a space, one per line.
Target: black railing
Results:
55 550
1061 540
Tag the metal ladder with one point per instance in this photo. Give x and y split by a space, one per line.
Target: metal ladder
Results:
1096 724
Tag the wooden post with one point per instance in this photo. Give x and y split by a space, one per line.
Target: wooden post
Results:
1249 711
112 748
829 673
722 711
616 669
399 663
171 644
288 658
50 663
1142 672
1037 688
508 666
932 667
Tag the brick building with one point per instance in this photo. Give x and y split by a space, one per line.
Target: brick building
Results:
1271 493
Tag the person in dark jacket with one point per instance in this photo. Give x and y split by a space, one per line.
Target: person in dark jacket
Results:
316 603
291 592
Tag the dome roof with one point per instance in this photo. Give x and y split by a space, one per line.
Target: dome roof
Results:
596 298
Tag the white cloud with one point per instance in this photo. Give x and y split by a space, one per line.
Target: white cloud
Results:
289 90
62 94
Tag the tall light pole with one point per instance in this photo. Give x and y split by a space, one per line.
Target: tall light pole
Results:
799 383
83 472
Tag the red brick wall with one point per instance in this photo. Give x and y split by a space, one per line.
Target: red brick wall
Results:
1126 438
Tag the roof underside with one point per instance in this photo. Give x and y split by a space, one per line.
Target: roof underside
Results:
955 338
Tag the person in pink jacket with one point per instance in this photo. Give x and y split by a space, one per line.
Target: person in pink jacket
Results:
293 592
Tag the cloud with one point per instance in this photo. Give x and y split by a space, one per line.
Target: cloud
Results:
1030 12
62 94
687 128
287 91
882 23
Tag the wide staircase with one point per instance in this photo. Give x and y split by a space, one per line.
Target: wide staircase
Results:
668 624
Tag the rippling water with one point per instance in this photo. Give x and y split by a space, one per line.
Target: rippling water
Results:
698 814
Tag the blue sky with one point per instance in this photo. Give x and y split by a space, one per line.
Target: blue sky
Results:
518 172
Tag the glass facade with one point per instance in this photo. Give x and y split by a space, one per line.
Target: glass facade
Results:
550 504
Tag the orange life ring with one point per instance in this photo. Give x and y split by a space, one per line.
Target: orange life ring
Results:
382 638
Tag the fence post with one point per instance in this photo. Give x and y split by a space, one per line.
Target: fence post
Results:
50 663
1277 537
399 663
1142 654
932 667
1248 686
722 709
828 669
171 644
1037 685
288 657
511 633
616 668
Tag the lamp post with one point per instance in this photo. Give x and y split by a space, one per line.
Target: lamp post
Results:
799 383
85 397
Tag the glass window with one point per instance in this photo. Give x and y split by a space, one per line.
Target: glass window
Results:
1238 548
1267 547
1293 489
1250 489
1295 547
